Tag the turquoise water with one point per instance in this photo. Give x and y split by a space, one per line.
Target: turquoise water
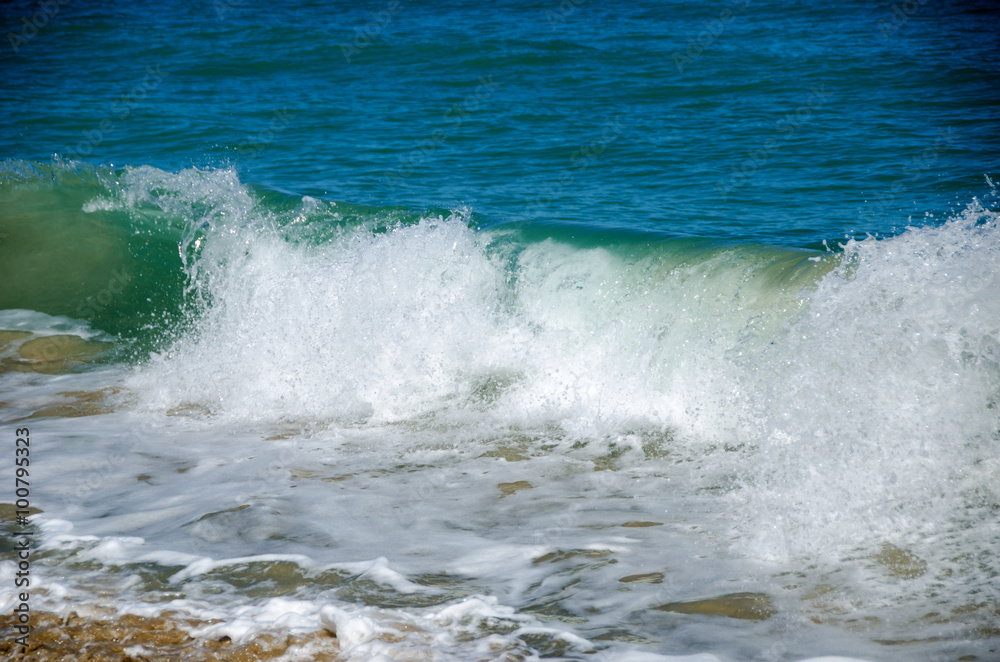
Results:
521 324
590 114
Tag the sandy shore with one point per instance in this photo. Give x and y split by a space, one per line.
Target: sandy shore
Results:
130 638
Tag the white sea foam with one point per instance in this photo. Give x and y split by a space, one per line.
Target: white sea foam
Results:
848 389
874 415
388 422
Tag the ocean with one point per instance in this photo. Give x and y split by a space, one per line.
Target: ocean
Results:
542 329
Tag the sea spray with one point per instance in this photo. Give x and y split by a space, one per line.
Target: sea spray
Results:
558 419
874 417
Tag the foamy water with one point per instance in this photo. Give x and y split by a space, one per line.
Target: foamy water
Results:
450 443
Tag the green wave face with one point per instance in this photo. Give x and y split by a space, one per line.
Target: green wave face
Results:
68 248
122 249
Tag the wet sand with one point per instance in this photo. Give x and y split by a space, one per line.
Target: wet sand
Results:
131 638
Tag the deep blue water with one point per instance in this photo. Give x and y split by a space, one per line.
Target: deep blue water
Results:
779 122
